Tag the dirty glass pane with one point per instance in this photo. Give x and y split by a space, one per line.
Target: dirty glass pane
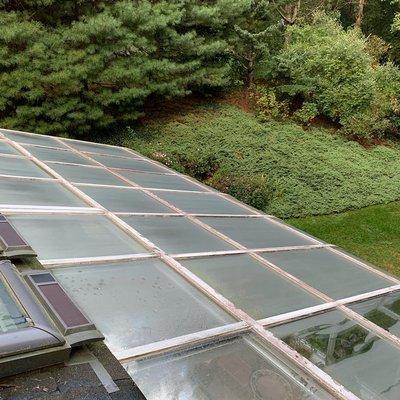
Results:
129 163
236 369
176 234
5 148
362 362
139 302
98 148
257 232
125 200
11 316
73 236
383 311
57 155
328 272
32 139
20 167
158 181
249 285
37 193
78 174
198 203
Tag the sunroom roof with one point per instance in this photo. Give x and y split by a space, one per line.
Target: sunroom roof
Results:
198 295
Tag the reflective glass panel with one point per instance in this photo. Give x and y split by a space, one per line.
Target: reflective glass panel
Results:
257 232
37 193
11 316
32 139
383 311
57 155
5 148
249 285
73 236
176 234
20 167
362 362
198 203
98 148
139 302
79 174
125 200
158 181
328 272
236 369
129 163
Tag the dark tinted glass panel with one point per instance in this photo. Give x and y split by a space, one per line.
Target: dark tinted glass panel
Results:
10 236
62 304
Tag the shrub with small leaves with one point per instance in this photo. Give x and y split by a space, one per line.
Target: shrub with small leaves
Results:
306 113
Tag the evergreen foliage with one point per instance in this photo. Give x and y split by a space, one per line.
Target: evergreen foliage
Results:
278 167
72 66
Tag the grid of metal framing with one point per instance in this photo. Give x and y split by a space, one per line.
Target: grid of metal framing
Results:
245 322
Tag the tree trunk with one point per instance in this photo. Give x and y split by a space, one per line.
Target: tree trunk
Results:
360 13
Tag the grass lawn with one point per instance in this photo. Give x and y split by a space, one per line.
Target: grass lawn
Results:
372 233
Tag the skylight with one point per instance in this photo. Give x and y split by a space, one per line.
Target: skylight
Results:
198 295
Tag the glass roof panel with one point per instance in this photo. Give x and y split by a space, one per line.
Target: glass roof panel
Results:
125 200
362 362
42 140
198 203
158 181
235 369
383 311
257 232
129 163
20 167
139 302
249 285
11 316
176 234
5 148
74 236
328 272
79 174
37 193
57 155
98 148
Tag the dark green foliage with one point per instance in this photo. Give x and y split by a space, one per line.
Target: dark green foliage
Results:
331 68
305 171
69 67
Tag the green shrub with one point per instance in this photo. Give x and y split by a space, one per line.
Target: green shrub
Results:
257 191
331 68
292 171
266 104
306 113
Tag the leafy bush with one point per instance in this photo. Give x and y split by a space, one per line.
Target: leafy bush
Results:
306 113
331 68
266 104
292 172
257 191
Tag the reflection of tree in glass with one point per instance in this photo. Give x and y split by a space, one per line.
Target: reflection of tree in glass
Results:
395 306
380 318
329 344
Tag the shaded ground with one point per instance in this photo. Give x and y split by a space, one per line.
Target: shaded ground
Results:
372 233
